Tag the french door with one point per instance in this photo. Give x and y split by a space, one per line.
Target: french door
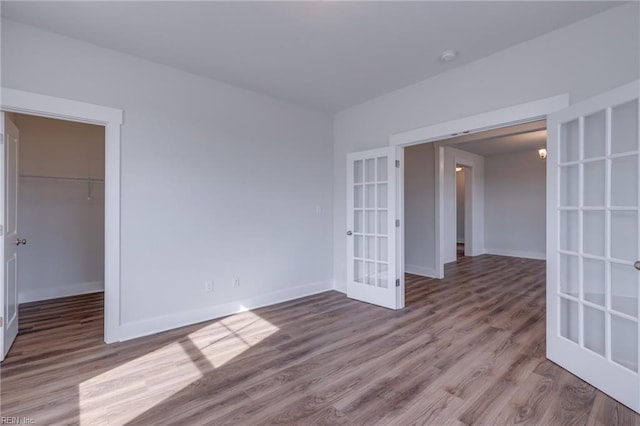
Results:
593 233
373 228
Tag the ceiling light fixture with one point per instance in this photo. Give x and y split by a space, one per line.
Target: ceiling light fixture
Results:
448 56
458 169
542 153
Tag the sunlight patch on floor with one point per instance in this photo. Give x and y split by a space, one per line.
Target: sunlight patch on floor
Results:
130 389
224 340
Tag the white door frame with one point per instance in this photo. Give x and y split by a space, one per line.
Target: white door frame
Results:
474 207
47 106
504 117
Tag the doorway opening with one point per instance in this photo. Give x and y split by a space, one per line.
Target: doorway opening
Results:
492 197
60 214
21 102
460 208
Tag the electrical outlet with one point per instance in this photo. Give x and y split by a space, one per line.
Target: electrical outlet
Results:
236 282
208 286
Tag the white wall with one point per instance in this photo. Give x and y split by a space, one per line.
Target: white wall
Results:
64 254
420 214
515 204
217 182
460 206
583 59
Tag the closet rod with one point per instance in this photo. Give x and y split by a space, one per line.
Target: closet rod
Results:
69 179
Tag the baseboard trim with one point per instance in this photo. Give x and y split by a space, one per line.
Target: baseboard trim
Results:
421 270
61 291
339 285
135 329
517 253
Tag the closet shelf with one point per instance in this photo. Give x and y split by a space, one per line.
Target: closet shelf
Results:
62 178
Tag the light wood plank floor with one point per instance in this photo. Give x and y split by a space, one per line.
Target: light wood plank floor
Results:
467 350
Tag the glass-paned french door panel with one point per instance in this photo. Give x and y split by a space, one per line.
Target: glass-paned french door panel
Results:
598 197
370 230
593 282
371 235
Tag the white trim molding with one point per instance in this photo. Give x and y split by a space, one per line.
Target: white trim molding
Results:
145 327
517 253
509 116
422 271
18 101
60 291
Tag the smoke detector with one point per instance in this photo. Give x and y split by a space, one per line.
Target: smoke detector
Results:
448 56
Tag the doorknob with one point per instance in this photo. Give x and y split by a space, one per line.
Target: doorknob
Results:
637 265
21 241
349 233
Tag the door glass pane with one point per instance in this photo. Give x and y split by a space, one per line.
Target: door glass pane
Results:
370 170
370 221
624 289
358 246
624 342
370 196
624 181
382 222
624 231
357 221
594 135
569 186
594 232
594 330
569 275
593 281
382 195
383 275
594 182
357 196
624 128
371 273
357 171
370 248
382 249
382 169
569 230
569 142
569 319
358 271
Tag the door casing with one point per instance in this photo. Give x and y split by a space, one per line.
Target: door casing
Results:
22 102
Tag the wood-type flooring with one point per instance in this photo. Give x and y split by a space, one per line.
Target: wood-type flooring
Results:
468 349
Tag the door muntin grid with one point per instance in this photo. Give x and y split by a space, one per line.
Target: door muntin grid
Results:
371 221
598 218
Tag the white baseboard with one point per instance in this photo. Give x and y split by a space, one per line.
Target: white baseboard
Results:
339 285
132 330
517 253
421 270
60 291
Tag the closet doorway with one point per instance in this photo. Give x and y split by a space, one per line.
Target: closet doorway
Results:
61 217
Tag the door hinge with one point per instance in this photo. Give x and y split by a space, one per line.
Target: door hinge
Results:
398 282
1 321
1 230
397 164
397 223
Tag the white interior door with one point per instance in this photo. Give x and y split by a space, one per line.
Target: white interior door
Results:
372 229
592 242
9 193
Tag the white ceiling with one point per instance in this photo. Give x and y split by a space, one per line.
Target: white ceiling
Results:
522 137
323 54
